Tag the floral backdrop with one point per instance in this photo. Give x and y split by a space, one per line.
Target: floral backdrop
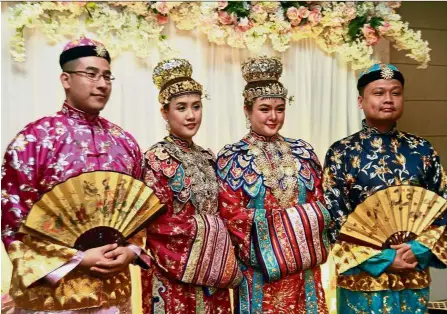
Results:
350 29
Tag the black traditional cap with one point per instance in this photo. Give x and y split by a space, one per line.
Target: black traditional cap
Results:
379 71
83 47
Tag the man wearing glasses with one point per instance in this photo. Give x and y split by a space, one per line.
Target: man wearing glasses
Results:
48 277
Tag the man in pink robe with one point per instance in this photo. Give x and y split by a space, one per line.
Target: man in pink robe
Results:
46 276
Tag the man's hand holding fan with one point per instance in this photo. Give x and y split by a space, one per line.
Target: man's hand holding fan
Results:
95 212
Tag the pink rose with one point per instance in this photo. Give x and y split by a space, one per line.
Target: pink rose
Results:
384 28
161 7
162 19
370 35
314 17
244 24
368 30
222 4
315 7
225 18
303 12
257 9
373 40
292 13
295 22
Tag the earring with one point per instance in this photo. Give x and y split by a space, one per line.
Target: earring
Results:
168 127
247 122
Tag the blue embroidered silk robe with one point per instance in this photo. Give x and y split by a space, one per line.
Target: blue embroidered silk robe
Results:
357 167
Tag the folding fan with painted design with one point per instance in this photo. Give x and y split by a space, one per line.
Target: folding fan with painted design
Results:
394 215
93 209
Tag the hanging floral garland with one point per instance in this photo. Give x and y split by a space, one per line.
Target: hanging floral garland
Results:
350 29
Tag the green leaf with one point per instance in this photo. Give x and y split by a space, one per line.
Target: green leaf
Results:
355 26
376 22
237 7
287 4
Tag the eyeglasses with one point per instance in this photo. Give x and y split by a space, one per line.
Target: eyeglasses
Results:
94 76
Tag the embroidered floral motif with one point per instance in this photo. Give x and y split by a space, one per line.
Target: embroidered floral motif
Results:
194 178
265 236
363 163
278 164
190 246
45 153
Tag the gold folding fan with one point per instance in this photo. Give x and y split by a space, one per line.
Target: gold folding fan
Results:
93 209
394 215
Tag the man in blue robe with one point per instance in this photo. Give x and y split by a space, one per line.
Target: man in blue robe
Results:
396 279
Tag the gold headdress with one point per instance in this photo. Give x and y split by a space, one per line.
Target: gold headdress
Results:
173 78
262 75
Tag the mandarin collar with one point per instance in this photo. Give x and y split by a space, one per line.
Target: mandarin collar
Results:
257 137
79 115
373 130
179 142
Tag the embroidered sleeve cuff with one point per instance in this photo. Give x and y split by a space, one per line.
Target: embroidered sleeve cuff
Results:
143 260
377 265
59 273
136 249
422 254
